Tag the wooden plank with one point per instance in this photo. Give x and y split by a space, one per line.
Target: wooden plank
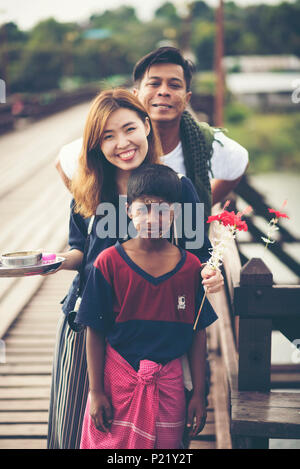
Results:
47 341
19 430
16 443
272 399
23 417
28 335
28 351
24 404
220 395
33 369
226 338
202 445
270 422
208 430
25 393
275 301
28 359
15 380
254 354
285 380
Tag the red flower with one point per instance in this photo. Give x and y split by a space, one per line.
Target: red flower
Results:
213 218
229 218
277 213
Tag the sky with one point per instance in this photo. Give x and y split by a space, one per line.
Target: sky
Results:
26 13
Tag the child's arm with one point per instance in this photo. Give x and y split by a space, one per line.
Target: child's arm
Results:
100 407
197 407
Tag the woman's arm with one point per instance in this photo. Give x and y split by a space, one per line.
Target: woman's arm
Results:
73 259
77 238
197 360
100 407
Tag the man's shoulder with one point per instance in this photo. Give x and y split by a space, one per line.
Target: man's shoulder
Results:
72 147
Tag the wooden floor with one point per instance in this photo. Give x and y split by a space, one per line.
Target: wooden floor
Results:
25 377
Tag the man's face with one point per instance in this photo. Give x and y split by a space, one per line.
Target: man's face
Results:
163 92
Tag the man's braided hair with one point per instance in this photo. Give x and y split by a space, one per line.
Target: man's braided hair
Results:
197 149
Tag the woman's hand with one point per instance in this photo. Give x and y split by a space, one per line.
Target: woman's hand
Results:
212 279
100 411
73 259
196 415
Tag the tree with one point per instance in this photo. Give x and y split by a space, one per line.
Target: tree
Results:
50 31
115 20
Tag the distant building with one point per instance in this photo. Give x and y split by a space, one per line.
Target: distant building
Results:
255 81
261 63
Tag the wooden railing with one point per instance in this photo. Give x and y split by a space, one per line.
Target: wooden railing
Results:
249 308
250 195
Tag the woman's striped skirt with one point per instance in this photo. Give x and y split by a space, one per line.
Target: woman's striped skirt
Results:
69 389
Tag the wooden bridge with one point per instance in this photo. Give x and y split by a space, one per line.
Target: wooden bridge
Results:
251 400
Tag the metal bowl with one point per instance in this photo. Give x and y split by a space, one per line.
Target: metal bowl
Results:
22 258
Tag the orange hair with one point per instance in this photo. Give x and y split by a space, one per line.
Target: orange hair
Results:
94 180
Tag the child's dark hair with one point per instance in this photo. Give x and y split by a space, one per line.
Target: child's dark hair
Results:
170 55
156 180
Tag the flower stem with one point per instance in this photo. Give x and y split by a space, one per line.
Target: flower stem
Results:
198 315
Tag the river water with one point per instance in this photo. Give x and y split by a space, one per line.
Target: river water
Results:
276 188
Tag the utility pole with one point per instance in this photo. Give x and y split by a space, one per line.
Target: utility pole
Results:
220 79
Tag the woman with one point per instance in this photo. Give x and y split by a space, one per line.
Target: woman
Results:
118 137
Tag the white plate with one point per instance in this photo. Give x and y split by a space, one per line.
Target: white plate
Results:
26 271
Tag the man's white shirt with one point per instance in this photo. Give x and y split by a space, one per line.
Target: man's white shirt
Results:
228 162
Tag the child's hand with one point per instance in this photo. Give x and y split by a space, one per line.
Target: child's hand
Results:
196 415
212 279
100 411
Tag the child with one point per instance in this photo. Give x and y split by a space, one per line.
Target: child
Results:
139 306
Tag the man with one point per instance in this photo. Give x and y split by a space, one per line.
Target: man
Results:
213 162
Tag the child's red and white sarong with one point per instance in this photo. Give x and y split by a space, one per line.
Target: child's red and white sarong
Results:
148 406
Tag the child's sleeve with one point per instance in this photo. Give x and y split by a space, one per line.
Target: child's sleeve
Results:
77 230
207 315
96 307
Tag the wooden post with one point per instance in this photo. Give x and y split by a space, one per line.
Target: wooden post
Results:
254 342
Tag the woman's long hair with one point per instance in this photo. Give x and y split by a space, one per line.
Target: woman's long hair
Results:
94 180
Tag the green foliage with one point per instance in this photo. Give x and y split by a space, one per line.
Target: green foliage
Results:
236 112
10 33
50 32
38 70
272 140
51 51
168 12
117 20
204 83
202 42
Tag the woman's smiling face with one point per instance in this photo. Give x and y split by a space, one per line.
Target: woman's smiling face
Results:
124 141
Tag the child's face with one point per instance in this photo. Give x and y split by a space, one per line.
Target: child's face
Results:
124 141
152 216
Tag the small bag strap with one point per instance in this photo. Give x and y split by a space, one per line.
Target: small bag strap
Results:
85 251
